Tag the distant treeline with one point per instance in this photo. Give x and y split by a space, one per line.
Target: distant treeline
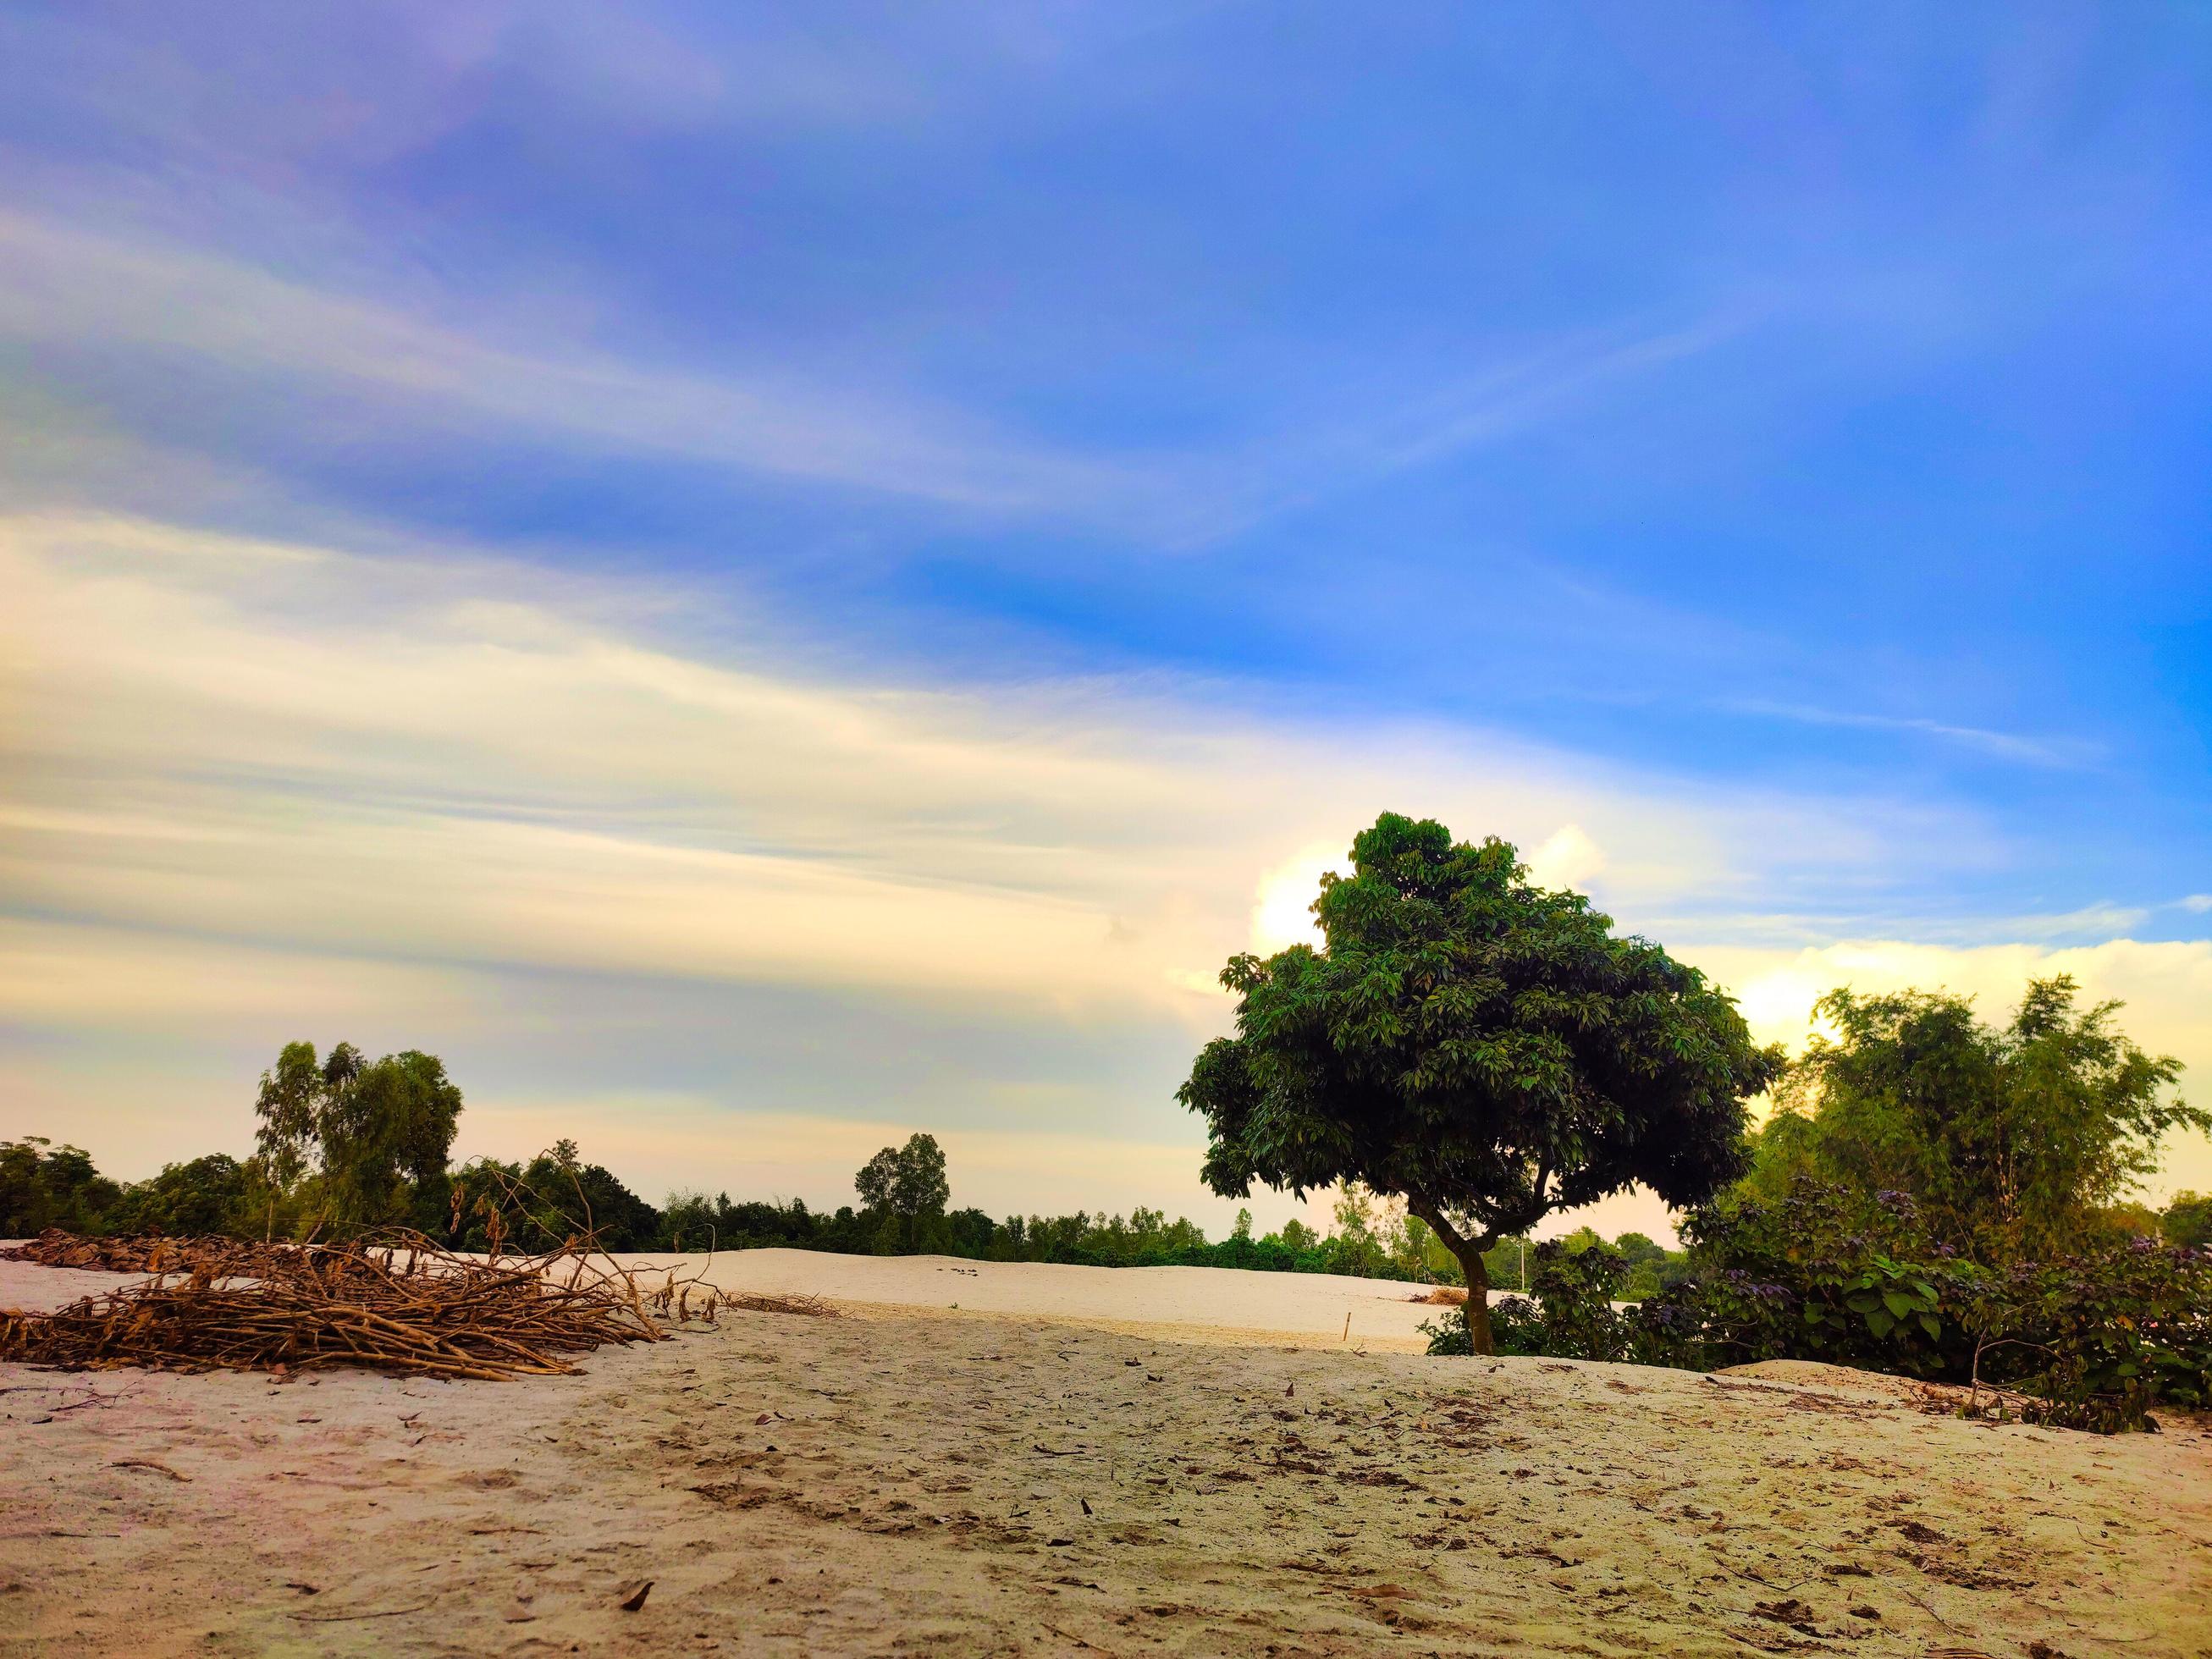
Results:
902 1211
536 1204
347 1144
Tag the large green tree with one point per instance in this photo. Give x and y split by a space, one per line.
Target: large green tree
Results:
43 1185
2013 1138
1489 1049
905 1189
375 1134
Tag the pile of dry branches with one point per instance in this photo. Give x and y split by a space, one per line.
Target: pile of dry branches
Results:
153 1254
400 1303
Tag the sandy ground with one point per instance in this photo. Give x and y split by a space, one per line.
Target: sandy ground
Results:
1044 1476
1211 1305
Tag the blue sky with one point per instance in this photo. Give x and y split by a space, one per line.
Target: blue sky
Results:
712 514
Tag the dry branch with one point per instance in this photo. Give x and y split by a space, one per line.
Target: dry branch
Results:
151 1255
399 1303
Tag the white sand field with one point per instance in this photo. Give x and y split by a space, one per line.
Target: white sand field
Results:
1217 1304
1076 1461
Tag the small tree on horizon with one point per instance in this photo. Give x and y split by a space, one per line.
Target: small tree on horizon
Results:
906 1186
375 1133
1488 1050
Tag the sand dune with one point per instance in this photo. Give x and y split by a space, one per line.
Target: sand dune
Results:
1041 1478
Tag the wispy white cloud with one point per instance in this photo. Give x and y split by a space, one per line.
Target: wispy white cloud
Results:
2002 745
279 742
1374 429
156 986
1567 858
2090 921
418 358
62 284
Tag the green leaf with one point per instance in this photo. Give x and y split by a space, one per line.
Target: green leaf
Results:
1898 1302
1881 1322
1932 1325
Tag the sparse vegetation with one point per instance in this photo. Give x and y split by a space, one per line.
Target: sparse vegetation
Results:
1999 1253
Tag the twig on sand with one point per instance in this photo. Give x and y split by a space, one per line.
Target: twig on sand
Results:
1768 1583
56 1532
340 1617
149 1463
93 1398
1929 1611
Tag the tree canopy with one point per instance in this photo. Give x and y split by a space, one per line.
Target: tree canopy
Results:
905 1188
376 1133
2012 1138
1489 1049
43 1185
557 1196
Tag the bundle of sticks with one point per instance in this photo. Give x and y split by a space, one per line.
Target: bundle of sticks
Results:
150 1255
399 1303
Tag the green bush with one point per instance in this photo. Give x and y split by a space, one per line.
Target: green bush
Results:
2094 1339
1570 1315
2097 1337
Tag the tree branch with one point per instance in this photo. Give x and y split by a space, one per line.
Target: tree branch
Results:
1454 1240
1433 1214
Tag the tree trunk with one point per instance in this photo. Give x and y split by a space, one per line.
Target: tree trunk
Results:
1470 1252
1478 1298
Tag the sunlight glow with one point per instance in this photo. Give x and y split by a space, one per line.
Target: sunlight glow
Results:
1282 915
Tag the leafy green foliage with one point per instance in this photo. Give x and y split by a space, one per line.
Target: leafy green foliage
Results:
2095 1338
1822 1273
557 1196
216 1193
375 1134
2099 1335
687 1222
1490 1050
904 1191
1576 1285
2187 1221
2105 1335
43 1185
2014 1141
1573 1316
554 1198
